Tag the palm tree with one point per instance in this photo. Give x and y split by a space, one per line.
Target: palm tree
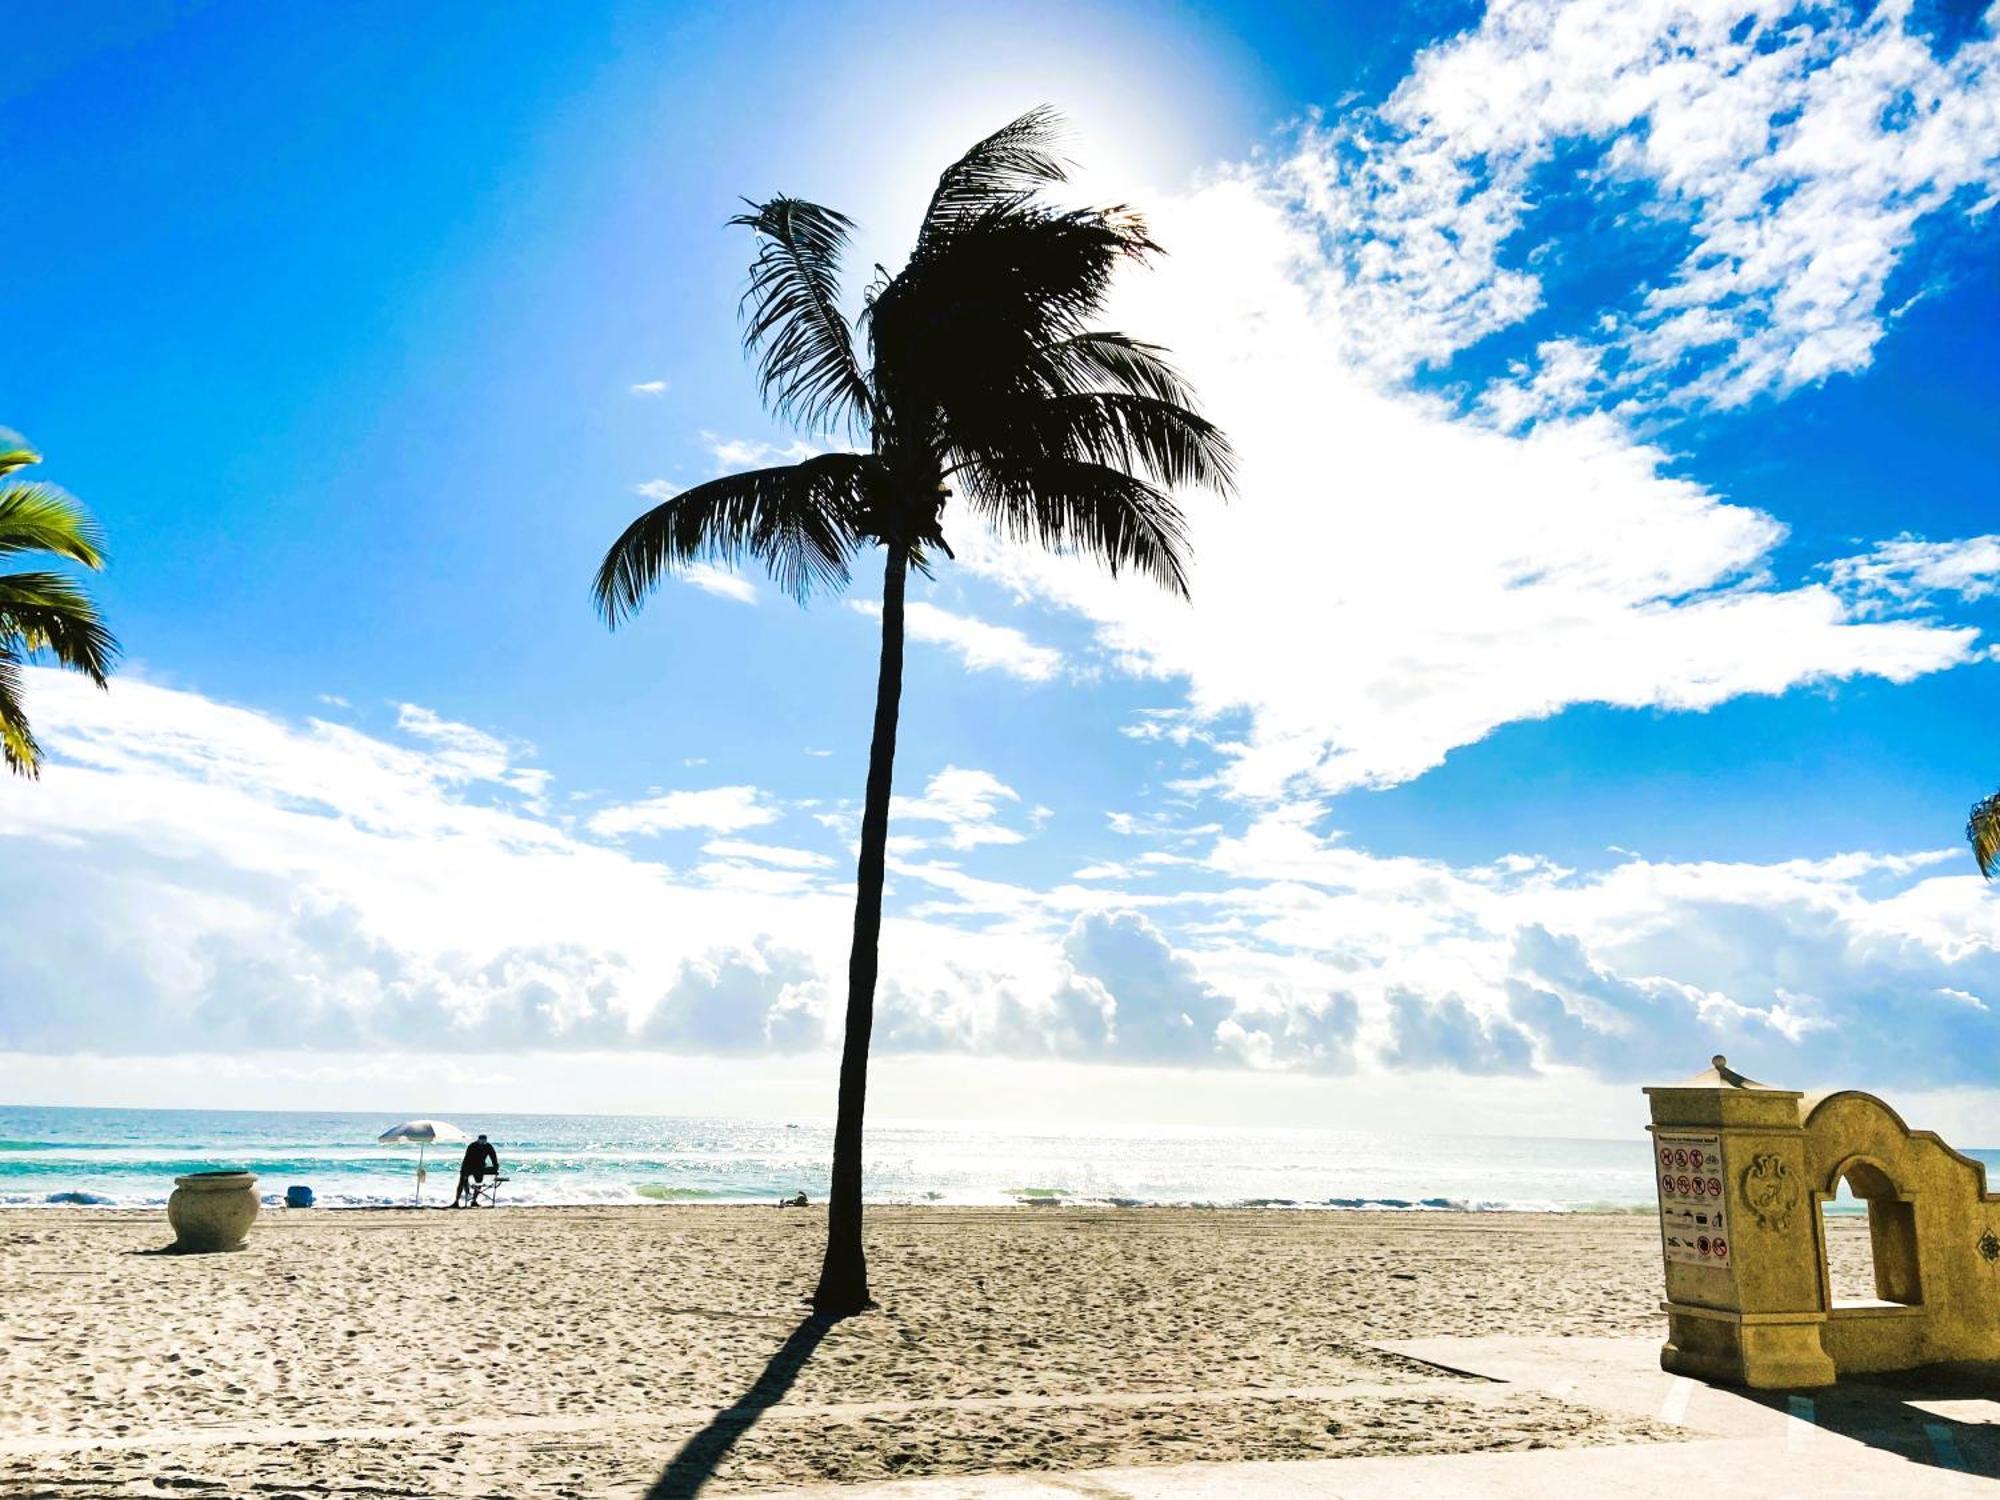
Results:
42 613
982 380
1982 831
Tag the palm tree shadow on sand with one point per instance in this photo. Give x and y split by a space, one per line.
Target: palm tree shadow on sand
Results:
701 1455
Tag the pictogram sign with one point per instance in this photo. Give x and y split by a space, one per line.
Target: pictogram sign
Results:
1692 1227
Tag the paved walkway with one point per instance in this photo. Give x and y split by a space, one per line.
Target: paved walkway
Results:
1882 1440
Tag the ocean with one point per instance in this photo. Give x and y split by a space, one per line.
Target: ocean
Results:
130 1157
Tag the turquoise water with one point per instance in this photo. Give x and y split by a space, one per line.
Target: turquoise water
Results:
119 1157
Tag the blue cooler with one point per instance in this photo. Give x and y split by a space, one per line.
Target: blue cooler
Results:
298 1196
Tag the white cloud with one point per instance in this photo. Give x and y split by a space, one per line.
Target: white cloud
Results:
650 388
1797 149
1910 571
723 809
1394 582
210 877
720 582
466 753
769 854
1103 870
1820 969
967 802
744 453
981 646
659 491
1566 376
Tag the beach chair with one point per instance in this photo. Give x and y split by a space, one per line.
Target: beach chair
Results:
483 1191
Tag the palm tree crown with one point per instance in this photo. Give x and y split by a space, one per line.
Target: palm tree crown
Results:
43 613
983 379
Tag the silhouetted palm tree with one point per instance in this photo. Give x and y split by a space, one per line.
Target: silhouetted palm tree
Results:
1982 831
983 380
43 613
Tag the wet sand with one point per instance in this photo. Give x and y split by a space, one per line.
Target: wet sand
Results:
584 1352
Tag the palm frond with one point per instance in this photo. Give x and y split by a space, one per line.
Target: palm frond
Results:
18 748
1009 165
792 321
1053 266
44 518
1091 509
1160 440
803 521
44 613
1121 362
48 612
1982 831
974 320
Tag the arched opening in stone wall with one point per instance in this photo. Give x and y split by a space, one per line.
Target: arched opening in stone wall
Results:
1870 1234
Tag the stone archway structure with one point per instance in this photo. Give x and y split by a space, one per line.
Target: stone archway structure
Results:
1742 1169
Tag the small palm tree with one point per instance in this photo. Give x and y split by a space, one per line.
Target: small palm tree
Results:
983 380
43 613
1982 831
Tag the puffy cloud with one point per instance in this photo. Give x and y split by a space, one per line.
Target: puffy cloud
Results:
1104 870
202 877
983 647
1112 990
1821 970
1588 1016
1395 580
466 754
1795 149
190 854
1129 994
763 999
746 453
224 961
966 802
724 809
1316 1037
1910 572
1443 1033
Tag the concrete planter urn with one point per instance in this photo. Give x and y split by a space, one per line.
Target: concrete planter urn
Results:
212 1210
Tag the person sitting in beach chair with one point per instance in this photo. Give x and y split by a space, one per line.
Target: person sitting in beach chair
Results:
480 1163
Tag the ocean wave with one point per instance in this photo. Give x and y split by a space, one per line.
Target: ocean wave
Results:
131 1158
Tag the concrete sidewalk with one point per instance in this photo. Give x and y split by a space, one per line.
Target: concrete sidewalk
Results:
1883 1440
1736 1468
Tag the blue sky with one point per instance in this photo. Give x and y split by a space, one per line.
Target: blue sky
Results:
1592 674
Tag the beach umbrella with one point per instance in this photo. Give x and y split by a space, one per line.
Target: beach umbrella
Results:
423 1134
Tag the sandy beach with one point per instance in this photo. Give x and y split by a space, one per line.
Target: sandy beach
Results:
588 1351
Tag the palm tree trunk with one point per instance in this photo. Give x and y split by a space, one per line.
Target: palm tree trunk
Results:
843 1277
